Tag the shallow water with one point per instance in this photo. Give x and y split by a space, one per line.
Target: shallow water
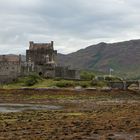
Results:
6 108
114 136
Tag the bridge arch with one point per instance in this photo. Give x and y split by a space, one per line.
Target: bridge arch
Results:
130 83
123 85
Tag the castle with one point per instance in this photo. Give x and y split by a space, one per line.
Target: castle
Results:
41 58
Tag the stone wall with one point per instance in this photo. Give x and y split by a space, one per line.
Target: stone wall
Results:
40 59
9 70
40 53
66 73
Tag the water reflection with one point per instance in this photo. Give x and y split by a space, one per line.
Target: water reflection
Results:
5 108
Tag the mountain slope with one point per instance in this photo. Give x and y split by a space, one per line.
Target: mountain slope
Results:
123 57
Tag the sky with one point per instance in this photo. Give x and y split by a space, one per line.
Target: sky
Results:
71 24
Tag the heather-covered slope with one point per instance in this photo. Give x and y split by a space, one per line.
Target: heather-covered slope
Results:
123 57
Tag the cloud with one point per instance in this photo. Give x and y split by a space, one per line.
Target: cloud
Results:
72 24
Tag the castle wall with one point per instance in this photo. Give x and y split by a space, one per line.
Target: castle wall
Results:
66 73
9 71
40 56
40 59
43 56
47 71
41 53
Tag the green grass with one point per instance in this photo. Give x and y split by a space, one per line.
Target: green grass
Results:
45 83
20 83
61 83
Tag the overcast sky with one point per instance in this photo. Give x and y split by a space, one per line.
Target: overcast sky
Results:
72 24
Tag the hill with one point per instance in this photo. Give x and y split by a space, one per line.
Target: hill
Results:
123 57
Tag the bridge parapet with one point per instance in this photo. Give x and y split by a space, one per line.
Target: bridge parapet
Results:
123 85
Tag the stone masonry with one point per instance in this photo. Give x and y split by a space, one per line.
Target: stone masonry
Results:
40 59
10 68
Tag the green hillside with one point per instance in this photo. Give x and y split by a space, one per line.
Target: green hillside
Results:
123 57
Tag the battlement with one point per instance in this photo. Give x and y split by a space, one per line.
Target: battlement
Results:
10 58
36 46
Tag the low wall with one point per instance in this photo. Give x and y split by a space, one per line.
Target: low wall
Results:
7 78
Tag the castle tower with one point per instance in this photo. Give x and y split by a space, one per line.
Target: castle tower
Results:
39 52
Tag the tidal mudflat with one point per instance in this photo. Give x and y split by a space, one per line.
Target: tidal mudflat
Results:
70 115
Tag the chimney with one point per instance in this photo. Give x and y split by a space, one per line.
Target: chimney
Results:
52 43
20 58
31 45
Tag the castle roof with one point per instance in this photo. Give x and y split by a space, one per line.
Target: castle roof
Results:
35 46
9 58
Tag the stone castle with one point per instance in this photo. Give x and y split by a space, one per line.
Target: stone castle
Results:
41 58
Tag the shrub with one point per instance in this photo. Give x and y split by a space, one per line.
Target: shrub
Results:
87 75
99 83
84 84
32 79
112 78
65 84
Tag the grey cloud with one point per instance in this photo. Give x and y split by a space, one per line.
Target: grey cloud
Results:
71 24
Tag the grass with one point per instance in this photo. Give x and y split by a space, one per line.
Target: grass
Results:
15 85
60 83
45 83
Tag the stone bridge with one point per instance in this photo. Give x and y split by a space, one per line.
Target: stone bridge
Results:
124 85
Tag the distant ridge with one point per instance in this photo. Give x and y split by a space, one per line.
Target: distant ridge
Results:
123 57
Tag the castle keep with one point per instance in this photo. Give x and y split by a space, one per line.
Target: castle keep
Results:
41 53
41 58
